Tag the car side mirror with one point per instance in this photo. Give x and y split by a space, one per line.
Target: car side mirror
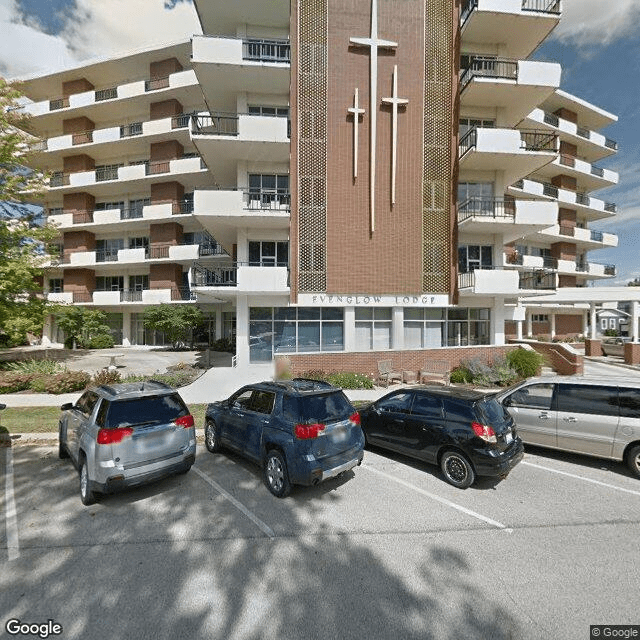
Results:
66 406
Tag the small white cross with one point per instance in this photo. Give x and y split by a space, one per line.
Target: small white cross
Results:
395 102
356 112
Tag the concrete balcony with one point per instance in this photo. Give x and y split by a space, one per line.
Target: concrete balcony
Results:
587 270
488 282
227 281
592 146
512 218
60 298
584 239
589 177
514 152
222 139
222 212
589 207
228 66
256 280
220 16
514 86
518 25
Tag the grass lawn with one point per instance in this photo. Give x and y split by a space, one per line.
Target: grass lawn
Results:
45 419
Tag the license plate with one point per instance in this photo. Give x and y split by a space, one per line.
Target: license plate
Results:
339 434
508 437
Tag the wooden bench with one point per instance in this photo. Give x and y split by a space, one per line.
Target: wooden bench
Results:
386 373
435 371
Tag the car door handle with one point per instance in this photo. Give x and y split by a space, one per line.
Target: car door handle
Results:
543 416
570 419
398 421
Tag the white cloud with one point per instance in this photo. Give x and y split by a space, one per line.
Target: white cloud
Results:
593 22
96 28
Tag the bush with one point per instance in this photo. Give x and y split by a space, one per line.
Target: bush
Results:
503 374
460 375
526 363
314 374
67 382
12 381
37 367
224 344
174 379
101 341
349 380
106 376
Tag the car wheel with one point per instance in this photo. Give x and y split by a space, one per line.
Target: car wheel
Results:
457 469
62 448
633 460
86 494
275 474
211 436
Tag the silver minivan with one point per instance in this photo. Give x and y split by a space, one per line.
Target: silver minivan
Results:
590 415
123 435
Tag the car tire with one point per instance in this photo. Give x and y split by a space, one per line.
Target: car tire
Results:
457 469
183 471
212 436
63 454
276 476
633 460
87 496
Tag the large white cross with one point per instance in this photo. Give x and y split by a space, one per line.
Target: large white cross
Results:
357 112
395 102
374 43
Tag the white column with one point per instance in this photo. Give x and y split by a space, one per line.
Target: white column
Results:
635 309
585 323
593 319
553 325
47 332
349 329
242 330
497 322
218 323
519 324
529 325
126 328
397 328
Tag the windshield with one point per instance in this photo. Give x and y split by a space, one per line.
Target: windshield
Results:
150 410
324 407
491 411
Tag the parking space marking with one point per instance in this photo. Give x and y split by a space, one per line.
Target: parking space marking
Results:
573 475
13 544
448 503
236 503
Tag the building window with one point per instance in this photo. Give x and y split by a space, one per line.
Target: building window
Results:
139 243
373 329
107 250
110 283
472 257
139 283
56 285
290 330
423 328
466 124
539 317
268 190
107 206
261 110
482 192
268 253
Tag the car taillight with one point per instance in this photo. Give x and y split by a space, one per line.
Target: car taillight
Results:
184 421
308 431
484 432
113 436
355 418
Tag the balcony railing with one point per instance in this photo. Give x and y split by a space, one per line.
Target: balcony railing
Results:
583 199
131 295
156 83
550 190
267 200
58 103
583 132
533 140
582 266
183 293
266 50
130 213
152 168
156 253
609 270
467 8
611 207
567 230
182 207
217 277
58 179
486 67
468 141
552 119
181 121
611 144
82 137
542 6
106 94
82 296
41 145
82 217
106 173
211 248
107 255
597 236
466 279
537 280
487 208
133 129
549 262
217 124
597 171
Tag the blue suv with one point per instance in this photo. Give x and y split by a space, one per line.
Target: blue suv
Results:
300 431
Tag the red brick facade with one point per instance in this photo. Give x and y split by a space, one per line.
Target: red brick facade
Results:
165 109
163 68
165 276
81 85
162 192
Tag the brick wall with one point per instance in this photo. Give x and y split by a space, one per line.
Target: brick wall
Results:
77 125
567 217
165 276
165 151
166 192
565 182
366 362
562 358
74 164
568 149
568 325
165 234
163 68
567 281
78 241
81 281
571 116
632 353
77 202
164 109
564 250
72 87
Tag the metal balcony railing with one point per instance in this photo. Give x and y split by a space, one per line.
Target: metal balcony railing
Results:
156 83
552 119
583 199
487 67
262 50
107 172
533 140
597 236
216 124
41 145
181 121
131 295
597 171
611 144
466 280
211 248
133 129
582 266
611 207
183 293
549 262
468 141
131 213
267 200
107 255
82 137
488 208
537 280
106 94
550 190
609 269
58 179
583 132
217 277
82 296
156 253
182 207
468 6
542 6
58 103
82 217
152 168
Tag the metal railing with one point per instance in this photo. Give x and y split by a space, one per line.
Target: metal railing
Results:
107 173
583 132
106 94
82 217
128 130
82 296
567 161
131 295
183 293
552 119
181 121
567 230
58 179
609 269
41 145
468 141
153 168
58 103
217 277
182 207
597 171
262 50
156 253
267 200
548 262
535 280
107 255
487 207
487 67
131 213
582 266
550 190
534 140
542 6
611 144
82 137
216 124
596 236
156 83
583 199
466 280
211 248
468 6
611 207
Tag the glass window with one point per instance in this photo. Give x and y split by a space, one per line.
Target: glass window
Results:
427 406
56 285
151 410
325 407
458 410
373 328
242 400
423 328
308 336
534 396
332 336
629 400
262 402
591 399
399 402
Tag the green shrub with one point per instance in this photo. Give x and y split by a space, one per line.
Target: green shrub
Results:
13 381
349 380
460 375
101 341
67 382
174 378
39 384
106 376
526 363
313 374
224 344
134 378
36 367
503 374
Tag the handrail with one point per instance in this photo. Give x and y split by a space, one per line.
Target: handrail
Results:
489 67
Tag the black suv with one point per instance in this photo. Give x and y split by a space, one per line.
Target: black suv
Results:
467 433
301 431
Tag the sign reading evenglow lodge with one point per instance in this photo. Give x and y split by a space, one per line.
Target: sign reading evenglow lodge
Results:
364 300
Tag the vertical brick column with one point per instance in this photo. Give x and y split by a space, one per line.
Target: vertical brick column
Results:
592 347
632 353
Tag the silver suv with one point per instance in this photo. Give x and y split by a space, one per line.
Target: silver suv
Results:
123 435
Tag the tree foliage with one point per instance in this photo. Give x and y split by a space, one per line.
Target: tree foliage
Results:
22 237
86 328
174 320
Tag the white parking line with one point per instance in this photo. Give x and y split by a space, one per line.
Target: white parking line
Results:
236 503
573 475
13 545
448 503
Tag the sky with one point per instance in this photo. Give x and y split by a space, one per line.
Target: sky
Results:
593 41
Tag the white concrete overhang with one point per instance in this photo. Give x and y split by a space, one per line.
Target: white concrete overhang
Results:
223 17
589 115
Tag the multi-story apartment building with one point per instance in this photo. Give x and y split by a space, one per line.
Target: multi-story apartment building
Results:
327 177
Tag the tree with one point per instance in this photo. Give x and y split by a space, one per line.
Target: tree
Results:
23 236
634 283
85 328
174 320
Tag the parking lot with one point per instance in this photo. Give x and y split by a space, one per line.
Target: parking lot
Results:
389 551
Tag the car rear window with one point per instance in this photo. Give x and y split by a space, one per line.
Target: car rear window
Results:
321 407
149 410
491 411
